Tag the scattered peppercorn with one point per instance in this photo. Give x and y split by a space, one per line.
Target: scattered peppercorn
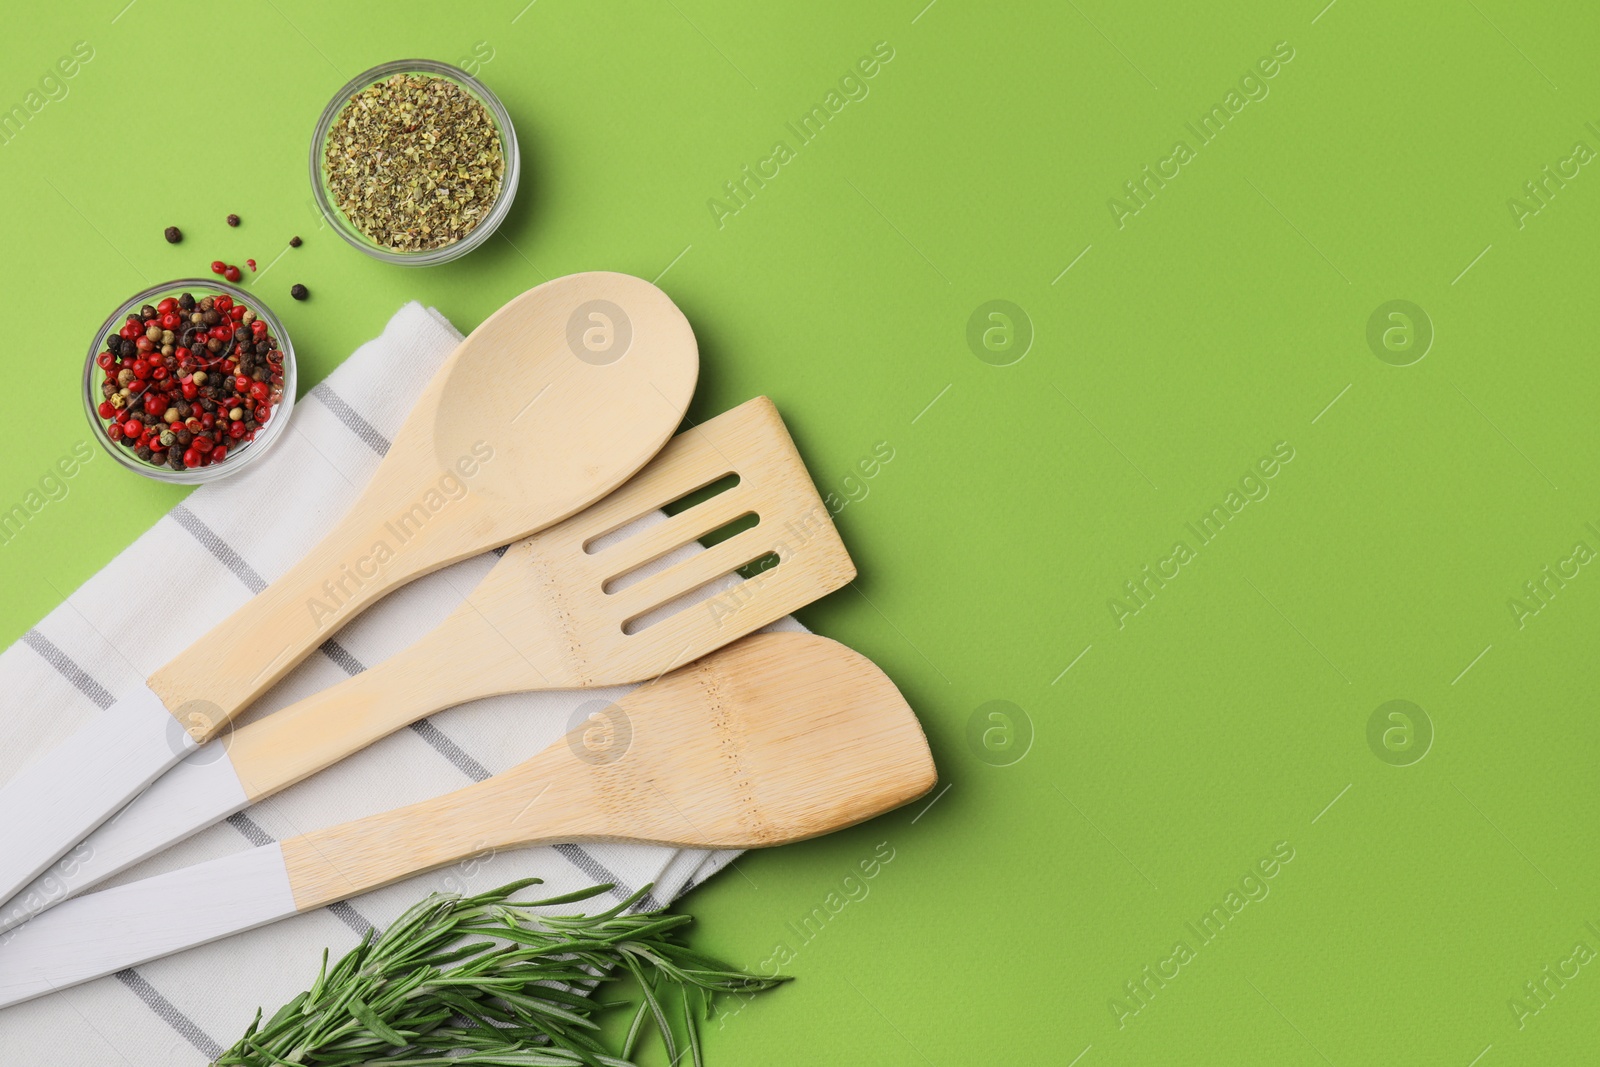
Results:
233 220
217 266
298 291
295 242
251 264
232 274
174 235
188 380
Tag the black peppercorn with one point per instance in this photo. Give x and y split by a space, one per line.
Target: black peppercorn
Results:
186 302
298 291
174 235
233 220
294 242
240 335
147 312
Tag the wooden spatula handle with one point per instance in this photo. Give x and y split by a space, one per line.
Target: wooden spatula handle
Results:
218 676
452 665
556 801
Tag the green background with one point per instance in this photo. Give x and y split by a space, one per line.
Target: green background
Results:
1228 315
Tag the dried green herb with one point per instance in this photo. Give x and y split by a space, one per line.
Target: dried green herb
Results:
415 162
483 980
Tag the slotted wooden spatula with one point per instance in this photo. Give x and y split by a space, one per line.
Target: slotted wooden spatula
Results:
777 738
554 613
558 398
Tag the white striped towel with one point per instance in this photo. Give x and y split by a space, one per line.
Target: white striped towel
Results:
231 538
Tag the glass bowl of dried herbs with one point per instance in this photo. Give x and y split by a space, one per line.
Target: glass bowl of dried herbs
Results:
189 381
414 162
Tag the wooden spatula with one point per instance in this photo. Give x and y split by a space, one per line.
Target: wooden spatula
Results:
542 618
777 738
558 398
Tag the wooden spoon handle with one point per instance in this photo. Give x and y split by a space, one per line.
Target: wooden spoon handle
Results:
218 676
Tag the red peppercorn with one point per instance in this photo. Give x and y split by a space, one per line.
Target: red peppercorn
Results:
132 427
232 274
236 430
259 390
262 411
236 313
159 373
190 390
169 304
203 444
207 420
241 383
141 369
258 329
114 431
170 321
106 410
219 453
137 386
224 302
104 360
191 458
217 266
144 344
128 332
155 403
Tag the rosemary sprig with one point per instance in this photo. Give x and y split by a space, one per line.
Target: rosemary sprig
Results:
484 981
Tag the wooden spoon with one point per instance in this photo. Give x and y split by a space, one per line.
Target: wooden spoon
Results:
554 613
777 738
558 398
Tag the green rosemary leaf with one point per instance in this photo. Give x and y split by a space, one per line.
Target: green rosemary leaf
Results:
369 1018
649 994
635 1029
432 991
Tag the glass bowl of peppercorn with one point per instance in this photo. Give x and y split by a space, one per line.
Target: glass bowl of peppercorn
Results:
414 162
189 381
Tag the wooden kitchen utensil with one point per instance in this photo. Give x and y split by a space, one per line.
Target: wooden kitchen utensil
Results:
558 398
778 738
555 613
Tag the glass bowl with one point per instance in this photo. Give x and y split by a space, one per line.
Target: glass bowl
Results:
508 150
237 460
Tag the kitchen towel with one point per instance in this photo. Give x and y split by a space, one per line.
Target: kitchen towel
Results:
231 538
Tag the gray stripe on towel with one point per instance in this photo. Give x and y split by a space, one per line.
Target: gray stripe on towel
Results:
345 913
253 581
68 669
250 829
219 548
351 418
600 873
170 1014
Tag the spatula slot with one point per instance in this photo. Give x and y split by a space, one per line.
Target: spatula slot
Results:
701 593
732 528
690 498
